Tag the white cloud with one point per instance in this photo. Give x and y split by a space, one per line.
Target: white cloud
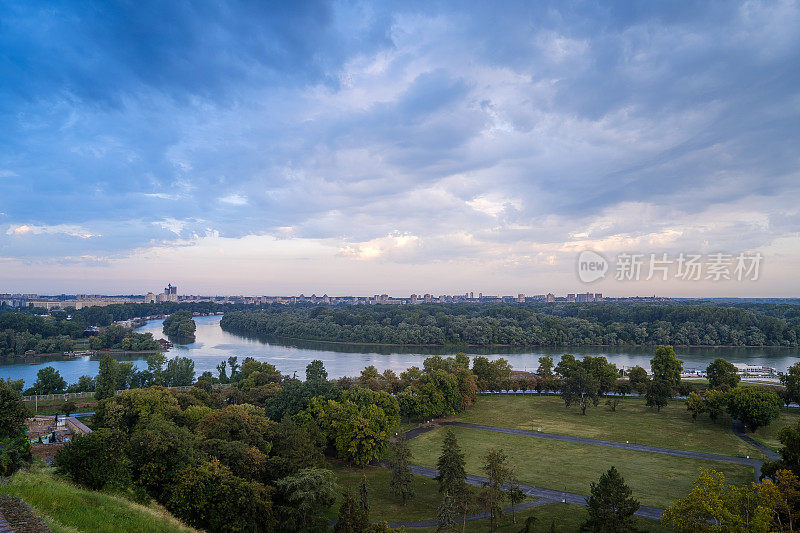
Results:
391 245
65 229
234 199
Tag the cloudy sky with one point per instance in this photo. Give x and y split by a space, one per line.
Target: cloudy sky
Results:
355 147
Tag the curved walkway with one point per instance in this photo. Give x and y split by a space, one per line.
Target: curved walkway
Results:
739 431
755 463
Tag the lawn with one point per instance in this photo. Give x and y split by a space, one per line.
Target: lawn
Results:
657 480
384 504
67 508
769 434
562 517
633 421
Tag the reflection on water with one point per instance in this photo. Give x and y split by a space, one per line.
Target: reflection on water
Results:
213 345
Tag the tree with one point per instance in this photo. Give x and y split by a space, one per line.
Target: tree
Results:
158 450
304 499
94 461
48 381
610 504
713 506
451 465
666 367
15 448
12 411
315 371
753 406
515 494
789 437
351 517
402 477
210 497
716 401
446 513
722 374
579 386
783 497
106 382
791 380
658 394
637 377
545 369
492 496
696 405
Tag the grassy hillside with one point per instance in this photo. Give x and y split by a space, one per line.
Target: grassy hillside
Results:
69 509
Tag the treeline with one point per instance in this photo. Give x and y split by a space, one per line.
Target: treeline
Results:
612 324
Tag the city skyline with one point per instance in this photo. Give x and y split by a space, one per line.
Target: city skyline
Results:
348 147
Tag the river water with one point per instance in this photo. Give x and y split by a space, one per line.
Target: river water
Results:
213 345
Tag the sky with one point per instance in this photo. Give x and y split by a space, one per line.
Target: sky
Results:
367 147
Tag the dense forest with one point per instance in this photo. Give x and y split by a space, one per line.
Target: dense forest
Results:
612 323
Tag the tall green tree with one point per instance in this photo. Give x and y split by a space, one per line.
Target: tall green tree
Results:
315 371
722 374
107 377
497 472
637 377
658 394
451 465
753 406
351 518
666 367
48 381
695 404
581 387
402 477
610 504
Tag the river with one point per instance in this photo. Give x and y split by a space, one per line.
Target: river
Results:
213 345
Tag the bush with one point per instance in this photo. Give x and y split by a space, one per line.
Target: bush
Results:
212 498
97 460
15 452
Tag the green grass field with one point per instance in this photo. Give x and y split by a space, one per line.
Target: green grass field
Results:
564 518
385 505
68 509
633 421
656 479
769 434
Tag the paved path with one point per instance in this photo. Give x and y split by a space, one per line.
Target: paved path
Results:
756 464
739 431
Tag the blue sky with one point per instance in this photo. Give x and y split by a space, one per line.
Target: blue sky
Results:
355 147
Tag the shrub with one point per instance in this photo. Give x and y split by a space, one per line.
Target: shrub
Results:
97 460
209 496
